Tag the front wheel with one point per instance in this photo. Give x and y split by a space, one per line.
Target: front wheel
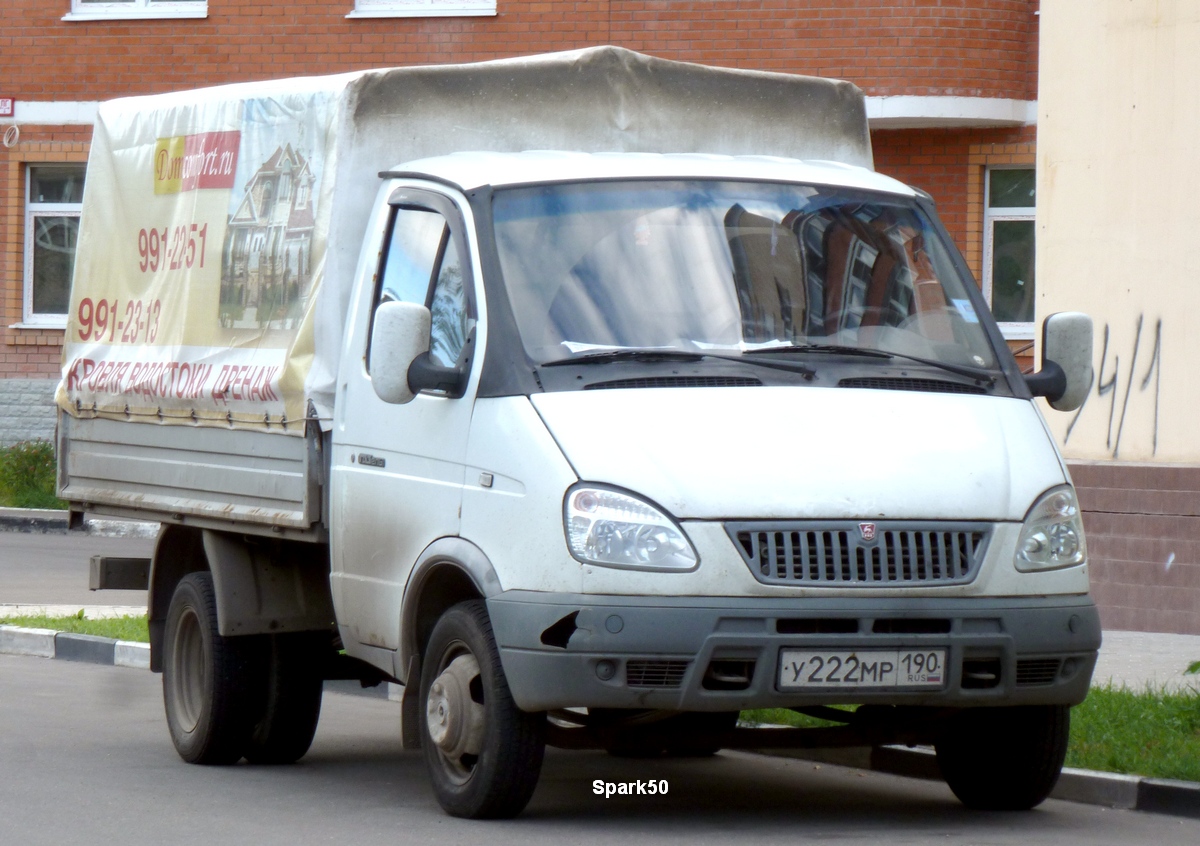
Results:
484 754
1004 759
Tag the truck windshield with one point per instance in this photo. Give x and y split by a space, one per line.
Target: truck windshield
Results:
730 267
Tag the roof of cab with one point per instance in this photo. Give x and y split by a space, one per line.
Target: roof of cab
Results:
471 170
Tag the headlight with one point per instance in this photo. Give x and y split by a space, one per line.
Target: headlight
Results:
1052 535
615 529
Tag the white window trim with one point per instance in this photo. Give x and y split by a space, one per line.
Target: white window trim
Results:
423 9
1011 331
129 10
30 320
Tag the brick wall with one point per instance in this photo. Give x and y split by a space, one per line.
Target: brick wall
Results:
27 410
930 47
1143 532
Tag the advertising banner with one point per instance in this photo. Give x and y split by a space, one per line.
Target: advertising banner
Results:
200 255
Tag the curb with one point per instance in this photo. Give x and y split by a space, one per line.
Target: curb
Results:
92 649
43 521
1112 790
1087 787
48 643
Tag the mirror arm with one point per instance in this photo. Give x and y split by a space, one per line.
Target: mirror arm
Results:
1049 382
424 375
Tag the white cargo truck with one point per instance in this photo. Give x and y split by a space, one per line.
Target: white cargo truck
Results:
592 397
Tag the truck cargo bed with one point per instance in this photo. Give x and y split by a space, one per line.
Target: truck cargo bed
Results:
257 482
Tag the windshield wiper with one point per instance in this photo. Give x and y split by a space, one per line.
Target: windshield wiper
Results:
978 373
673 355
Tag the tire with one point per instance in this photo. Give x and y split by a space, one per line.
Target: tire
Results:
484 754
292 698
1004 759
211 684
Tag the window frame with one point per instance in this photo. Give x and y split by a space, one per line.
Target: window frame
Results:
419 199
33 211
1012 330
423 9
124 10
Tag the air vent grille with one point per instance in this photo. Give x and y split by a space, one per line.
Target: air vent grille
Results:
678 382
936 386
645 673
1036 671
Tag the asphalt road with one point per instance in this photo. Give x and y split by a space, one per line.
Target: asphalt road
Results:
84 755
52 569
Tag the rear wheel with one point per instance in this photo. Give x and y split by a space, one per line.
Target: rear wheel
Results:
1004 759
210 686
292 703
483 753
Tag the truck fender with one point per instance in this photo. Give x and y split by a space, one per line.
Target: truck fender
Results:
449 571
177 552
267 586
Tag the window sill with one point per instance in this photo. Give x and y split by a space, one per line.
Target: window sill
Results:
40 327
1018 331
135 15
34 335
422 13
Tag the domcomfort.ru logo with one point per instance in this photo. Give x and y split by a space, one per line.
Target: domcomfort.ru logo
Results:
187 162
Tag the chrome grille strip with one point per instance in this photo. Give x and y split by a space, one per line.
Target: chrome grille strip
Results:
836 553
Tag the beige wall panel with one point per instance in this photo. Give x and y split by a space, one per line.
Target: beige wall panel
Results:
1118 229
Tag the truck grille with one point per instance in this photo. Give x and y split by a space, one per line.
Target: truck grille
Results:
840 554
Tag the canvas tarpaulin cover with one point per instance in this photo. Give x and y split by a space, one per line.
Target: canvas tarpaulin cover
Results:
221 228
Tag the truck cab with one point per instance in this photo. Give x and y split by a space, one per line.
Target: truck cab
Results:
683 435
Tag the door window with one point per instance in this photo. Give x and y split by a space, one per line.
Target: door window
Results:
423 265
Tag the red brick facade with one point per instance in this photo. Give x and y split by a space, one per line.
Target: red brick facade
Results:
962 48
974 48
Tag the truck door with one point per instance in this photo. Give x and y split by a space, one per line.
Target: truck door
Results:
397 470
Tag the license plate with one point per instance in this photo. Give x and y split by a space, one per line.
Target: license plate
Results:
828 669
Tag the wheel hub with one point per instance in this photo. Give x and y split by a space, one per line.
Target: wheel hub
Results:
454 719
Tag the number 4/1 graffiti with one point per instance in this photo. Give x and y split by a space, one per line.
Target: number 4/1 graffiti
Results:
1113 386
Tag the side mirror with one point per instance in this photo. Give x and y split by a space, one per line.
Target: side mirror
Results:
399 334
1066 374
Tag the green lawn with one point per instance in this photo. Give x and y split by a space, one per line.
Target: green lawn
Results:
120 628
1148 733
27 476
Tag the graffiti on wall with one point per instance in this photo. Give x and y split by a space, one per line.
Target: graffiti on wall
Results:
1120 380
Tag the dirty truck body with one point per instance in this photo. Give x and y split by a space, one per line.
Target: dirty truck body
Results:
685 412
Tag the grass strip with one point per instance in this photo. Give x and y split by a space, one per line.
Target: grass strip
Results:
118 628
1151 732
27 476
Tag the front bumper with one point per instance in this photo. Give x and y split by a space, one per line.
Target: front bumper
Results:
562 650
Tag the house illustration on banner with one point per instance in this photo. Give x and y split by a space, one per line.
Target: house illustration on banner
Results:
267 269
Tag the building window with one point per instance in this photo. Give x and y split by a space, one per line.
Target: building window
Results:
422 8
94 10
54 194
1009 248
